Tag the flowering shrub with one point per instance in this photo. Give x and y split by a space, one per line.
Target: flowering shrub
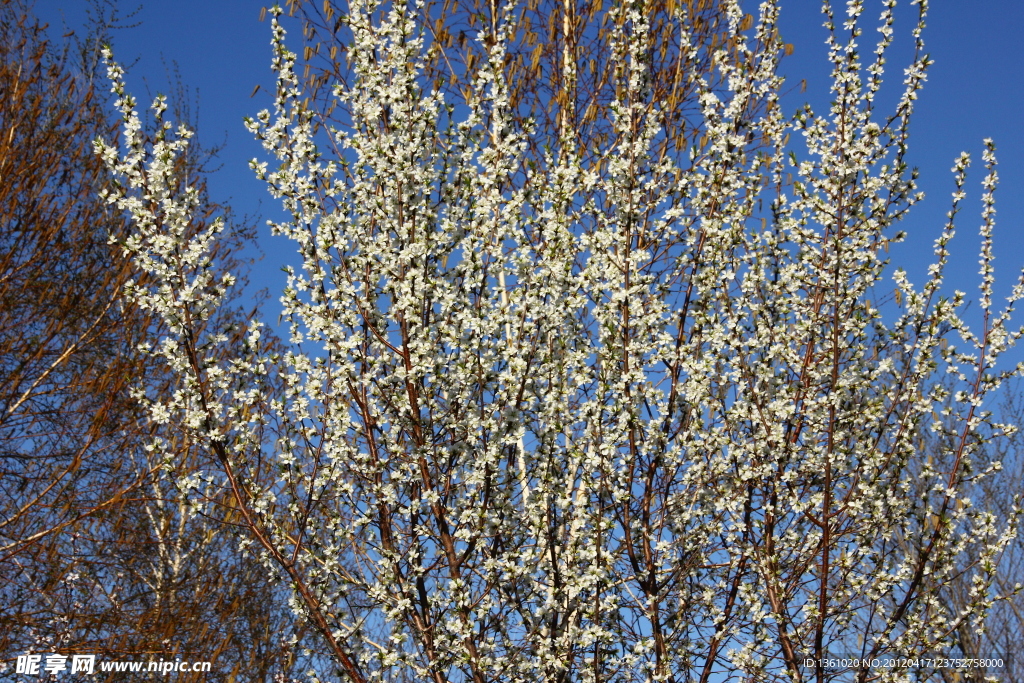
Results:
620 411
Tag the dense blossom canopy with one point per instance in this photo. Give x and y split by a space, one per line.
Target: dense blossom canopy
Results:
603 394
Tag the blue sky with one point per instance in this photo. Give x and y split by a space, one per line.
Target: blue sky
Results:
974 91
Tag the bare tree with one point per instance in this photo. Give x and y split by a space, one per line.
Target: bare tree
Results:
97 551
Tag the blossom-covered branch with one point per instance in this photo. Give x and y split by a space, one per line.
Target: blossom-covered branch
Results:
622 412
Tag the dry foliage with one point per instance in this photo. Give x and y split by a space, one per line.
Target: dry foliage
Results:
98 554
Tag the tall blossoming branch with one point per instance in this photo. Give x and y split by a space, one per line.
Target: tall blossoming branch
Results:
217 403
569 414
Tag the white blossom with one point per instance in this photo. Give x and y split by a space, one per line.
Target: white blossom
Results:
592 414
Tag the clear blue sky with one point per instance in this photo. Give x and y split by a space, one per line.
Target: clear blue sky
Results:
974 91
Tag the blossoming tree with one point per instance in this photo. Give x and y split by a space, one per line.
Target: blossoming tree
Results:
581 389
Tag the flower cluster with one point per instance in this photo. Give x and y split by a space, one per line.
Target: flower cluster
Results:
554 413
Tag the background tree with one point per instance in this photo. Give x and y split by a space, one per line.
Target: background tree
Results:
623 411
97 553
